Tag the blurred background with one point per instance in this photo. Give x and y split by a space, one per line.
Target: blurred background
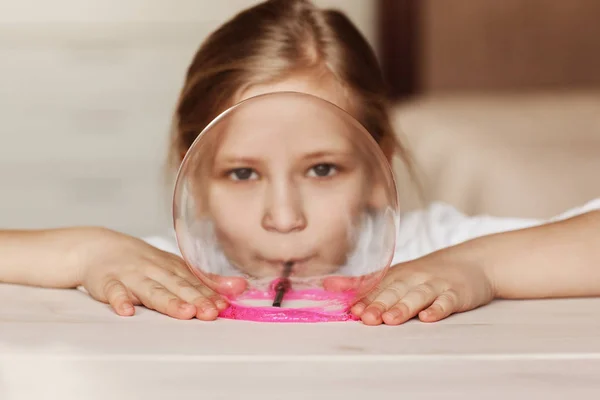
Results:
87 90
498 102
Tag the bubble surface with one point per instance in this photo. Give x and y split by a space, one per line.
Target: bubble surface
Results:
286 205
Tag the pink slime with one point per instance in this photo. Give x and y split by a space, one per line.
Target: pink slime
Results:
279 314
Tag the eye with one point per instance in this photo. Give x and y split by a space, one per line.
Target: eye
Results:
242 174
323 170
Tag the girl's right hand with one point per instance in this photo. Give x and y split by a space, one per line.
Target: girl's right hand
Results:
124 271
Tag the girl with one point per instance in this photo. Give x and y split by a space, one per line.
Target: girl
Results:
451 263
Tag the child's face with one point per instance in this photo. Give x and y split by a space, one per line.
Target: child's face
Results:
290 189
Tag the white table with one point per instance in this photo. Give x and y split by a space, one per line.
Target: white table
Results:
60 344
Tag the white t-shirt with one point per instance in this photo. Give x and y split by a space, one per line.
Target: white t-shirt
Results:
431 229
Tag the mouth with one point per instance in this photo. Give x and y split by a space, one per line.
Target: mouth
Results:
298 264
302 267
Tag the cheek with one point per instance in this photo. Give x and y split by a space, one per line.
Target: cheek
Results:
348 199
333 212
234 214
379 194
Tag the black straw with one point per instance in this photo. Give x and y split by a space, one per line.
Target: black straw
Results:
284 284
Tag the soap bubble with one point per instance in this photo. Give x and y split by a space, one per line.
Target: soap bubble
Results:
287 206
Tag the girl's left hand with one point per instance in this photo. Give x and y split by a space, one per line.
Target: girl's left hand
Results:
432 288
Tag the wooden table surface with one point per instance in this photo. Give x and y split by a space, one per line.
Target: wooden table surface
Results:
60 344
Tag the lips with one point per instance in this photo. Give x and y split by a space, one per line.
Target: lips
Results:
299 263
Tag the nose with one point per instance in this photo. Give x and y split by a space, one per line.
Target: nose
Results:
283 209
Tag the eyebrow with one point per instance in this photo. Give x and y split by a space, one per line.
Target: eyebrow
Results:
326 153
233 159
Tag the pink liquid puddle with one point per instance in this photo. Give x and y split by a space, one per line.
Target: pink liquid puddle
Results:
336 307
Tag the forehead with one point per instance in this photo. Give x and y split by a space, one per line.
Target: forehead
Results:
323 86
287 123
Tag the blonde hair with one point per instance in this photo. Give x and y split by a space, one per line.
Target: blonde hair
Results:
270 42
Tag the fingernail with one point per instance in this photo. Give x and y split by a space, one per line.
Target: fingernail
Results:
221 304
394 313
375 314
207 308
358 308
209 312
127 308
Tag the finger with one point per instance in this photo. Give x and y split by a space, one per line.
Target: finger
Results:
395 277
356 284
155 296
230 286
373 313
417 299
134 299
207 302
226 286
359 307
370 296
118 297
442 307
340 283
220 288
190 289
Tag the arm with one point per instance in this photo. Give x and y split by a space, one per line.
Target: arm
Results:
113 267
41 257
556 259
559 259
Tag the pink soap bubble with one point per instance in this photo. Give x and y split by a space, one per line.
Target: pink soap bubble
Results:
287 206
